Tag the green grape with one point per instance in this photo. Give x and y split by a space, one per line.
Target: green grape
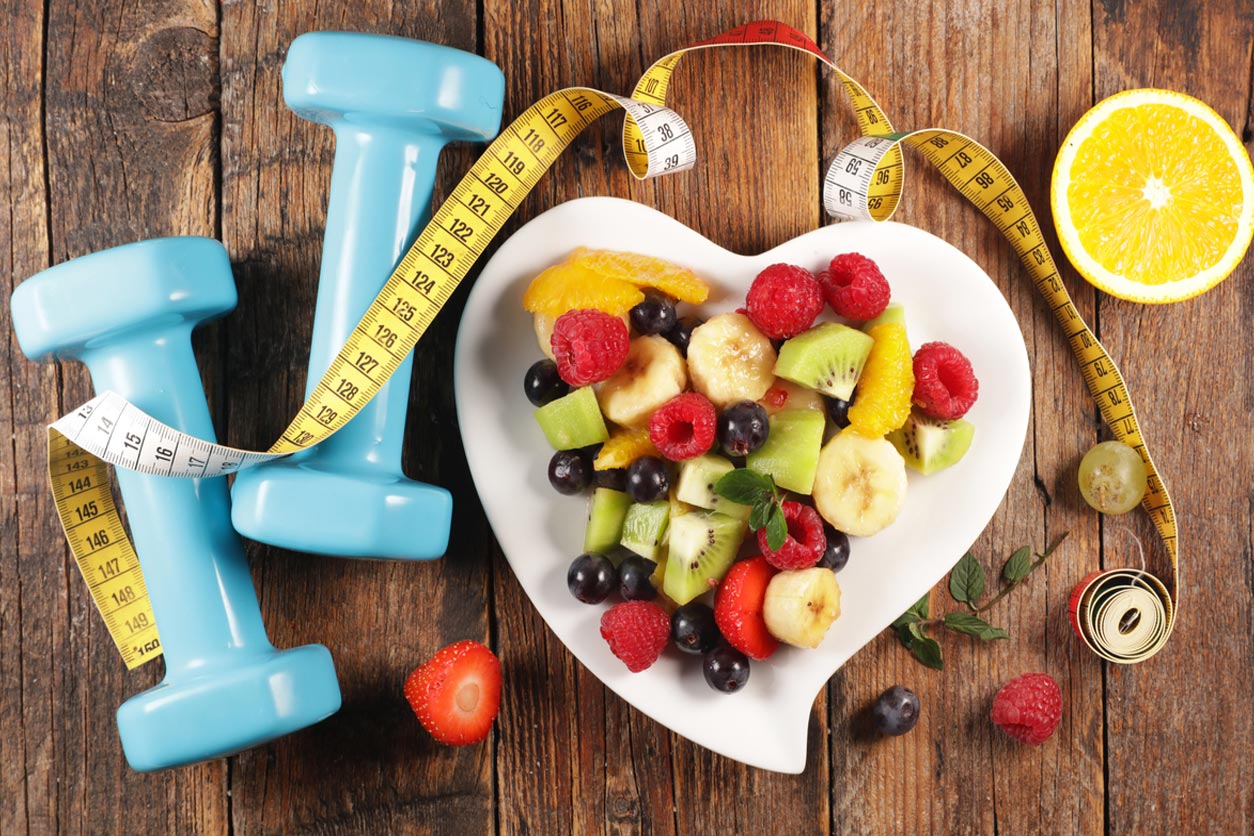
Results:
1112 477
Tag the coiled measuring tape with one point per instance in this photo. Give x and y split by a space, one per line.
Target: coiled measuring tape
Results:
865 180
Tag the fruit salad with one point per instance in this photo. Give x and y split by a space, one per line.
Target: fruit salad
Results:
727 460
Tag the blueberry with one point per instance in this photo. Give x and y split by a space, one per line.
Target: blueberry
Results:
896 711
543 384
743 428
682 332
570 471
836 555
647 480
591 578
634 582
838 411
693 629
726 669
614 479
653 316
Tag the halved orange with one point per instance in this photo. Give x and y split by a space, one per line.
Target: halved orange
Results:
1153 196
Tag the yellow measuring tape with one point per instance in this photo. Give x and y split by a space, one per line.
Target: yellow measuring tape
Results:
865 181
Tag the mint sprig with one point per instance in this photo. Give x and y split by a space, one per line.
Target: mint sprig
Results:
967 584
757 490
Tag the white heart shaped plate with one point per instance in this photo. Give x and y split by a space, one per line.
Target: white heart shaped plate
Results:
946 297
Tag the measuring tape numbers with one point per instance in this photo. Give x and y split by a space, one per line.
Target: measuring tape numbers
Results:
866 180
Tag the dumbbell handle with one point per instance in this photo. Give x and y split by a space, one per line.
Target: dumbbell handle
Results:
193 563
380 197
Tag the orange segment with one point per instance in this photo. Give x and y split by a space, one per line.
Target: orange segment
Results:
643 271
623 448
882 400
565 287
1153 196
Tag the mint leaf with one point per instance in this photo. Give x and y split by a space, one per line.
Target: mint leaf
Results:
917 612
966 581
1018 566
760 515
745 487
776 528
906 623
922 607
973 625
927 651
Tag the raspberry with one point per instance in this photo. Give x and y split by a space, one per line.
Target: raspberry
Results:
1028 708
636 631
684 426
806 541
855 287
944 382
784 300
588 346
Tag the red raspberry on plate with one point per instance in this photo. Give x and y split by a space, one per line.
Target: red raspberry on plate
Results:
636 631
684 427
738 608
1028 708
588 346
944 382
855 287
457 694
784 300
806 541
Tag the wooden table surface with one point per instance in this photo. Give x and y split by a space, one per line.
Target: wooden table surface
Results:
129 120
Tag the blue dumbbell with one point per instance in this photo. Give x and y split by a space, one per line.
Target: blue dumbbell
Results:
393 103
128 313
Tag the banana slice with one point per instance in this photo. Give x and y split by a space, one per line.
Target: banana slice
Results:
730 360
544 323
801 605
653 373
861 484
544 332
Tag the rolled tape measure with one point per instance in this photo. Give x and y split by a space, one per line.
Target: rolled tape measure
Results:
865 180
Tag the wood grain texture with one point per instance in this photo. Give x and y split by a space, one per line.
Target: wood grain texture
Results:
155 117
984 69
1189 368
379 619
129 151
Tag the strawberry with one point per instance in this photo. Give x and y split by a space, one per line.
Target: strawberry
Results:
738 608
457 694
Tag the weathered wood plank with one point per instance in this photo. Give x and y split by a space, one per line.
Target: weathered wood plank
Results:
32 561
992 71
379 619
1179 726
131 149
752 189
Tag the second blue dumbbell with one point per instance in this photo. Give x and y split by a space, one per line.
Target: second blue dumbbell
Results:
393 103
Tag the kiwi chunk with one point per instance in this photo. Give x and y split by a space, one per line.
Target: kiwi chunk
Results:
573 421
697 478
894 313
703 546
790 455
645 527
932 444
606 513
828 357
